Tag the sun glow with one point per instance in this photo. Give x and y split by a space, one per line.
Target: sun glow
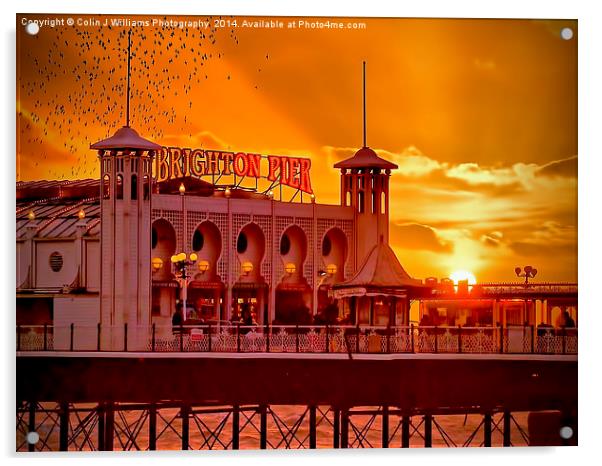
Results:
460 275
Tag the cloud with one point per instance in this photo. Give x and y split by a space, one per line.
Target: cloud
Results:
563 168
417 236
493 239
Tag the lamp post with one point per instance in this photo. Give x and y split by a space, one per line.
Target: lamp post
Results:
526 272
181 263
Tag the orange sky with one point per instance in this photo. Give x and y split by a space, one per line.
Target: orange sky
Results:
480 115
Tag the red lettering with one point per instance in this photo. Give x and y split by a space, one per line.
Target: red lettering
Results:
175 166
241 164
274 165
212 159
196 163
161 165
227 165
304 179
293 172
254 165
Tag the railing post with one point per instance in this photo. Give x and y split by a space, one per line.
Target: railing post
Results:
532 338
71 337
45 336
153 337
436 339
125 337
238 337
19 337
327 339
459 338
297 338
389 338
501 338
412 337
181 337
267 337
98 336
209 336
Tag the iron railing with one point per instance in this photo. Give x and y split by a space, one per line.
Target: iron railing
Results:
297 339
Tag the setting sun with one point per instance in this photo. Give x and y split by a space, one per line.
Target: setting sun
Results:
460 275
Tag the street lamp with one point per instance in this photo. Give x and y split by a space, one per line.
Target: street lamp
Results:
247 267
331 269
181 263
527 272
290 268
203 266
156 263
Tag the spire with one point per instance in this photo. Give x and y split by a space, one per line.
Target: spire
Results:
127 98
364 95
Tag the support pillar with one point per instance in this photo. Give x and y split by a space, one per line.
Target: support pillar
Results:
405 431
31 426
487 430
263 427
336 428
235 427
344 428
100 412
185 415
312 427
428 431
385 427
109 425
152 427
506 428
64 427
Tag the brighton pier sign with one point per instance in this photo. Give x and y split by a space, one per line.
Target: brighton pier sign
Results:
175 162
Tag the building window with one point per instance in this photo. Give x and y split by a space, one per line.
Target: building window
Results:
134 187
119 187
56 261
360 202
326 246
146 188
241 243
154 238
285 245
106 187
197 240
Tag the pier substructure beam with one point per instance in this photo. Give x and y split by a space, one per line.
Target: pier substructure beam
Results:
64 427
100 413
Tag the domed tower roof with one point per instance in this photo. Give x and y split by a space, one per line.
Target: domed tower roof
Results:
365 158
125 138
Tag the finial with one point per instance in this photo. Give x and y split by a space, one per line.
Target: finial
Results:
364 94
127 100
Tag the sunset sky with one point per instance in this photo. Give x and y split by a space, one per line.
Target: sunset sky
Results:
480 116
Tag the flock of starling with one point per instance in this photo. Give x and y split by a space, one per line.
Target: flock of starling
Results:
72 89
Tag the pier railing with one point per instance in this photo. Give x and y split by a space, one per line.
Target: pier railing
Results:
298 339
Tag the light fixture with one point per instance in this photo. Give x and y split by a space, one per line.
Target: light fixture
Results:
271 194
156 263
331 269
182 188
313 198
203 266
31 215
227 192
81 214
193 257
290 268
247 267
174 258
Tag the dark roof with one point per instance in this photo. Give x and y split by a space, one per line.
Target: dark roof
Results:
125 138
365 158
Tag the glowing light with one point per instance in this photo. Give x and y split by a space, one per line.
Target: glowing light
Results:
156 263
460 275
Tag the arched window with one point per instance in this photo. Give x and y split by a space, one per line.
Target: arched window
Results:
134 188
383 202
145 188
198 240
119 187
360 201
285 245
106 187
374 202
241 243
